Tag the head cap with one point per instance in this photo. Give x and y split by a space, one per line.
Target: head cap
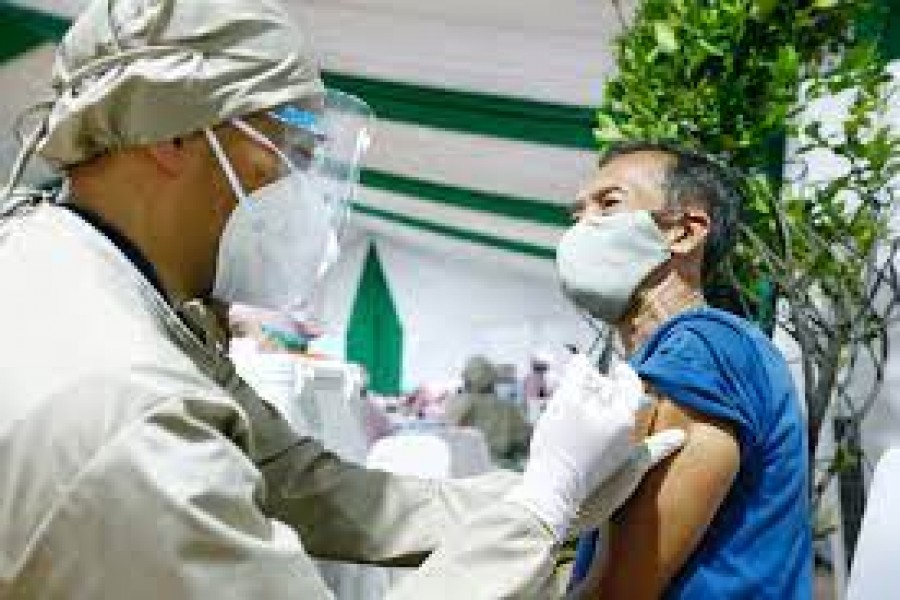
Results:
135 72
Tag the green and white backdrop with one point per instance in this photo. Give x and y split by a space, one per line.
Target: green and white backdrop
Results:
484 134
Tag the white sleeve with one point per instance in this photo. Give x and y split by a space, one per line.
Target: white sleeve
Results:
170 509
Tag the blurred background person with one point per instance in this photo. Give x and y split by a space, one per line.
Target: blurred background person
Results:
269 330
503 423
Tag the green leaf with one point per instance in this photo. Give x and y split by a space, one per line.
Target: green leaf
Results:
607 129
665 37
764 8
787 65
714 50
825 4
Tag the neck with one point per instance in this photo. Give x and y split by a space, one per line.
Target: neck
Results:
138 227
658 304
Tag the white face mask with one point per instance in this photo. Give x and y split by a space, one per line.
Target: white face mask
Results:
602 261
278 242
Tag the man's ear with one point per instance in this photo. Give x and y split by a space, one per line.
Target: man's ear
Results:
692 233
167 156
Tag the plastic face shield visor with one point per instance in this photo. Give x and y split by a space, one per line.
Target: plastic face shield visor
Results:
329 146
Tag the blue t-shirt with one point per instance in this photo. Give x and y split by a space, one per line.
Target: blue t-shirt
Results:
759 544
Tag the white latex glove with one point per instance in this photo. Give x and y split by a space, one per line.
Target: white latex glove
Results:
613 492
583 438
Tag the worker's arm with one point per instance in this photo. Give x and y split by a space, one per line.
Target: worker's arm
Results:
168 508
490 544
486 547
347 512
172 509
658 529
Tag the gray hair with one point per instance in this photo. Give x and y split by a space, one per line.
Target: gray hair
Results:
694 178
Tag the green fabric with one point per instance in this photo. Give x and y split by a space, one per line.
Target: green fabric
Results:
375 333
474 112
457 233
515 207
24 29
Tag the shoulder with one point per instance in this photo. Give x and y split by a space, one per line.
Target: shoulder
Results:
710 363
703 337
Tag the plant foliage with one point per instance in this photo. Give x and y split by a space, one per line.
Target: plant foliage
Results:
736 79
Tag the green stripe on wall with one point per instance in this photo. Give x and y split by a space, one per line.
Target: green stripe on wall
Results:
456 110
22 29
466 235
473 112
525 209
25 28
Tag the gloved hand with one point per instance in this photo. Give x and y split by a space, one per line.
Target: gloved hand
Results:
584 437
613 492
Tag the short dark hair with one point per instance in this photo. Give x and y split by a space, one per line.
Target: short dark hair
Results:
696 178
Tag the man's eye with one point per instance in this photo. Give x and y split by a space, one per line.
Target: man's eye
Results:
611 200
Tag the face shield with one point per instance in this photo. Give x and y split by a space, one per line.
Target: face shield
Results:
282 238
329 146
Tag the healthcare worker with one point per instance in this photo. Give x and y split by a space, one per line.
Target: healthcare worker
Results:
201 162
478 405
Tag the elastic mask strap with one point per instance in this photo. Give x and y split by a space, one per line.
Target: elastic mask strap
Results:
225 164
262 140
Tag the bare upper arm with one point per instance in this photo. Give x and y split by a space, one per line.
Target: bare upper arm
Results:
658 528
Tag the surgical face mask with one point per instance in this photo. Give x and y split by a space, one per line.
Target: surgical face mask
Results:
279 240
603 260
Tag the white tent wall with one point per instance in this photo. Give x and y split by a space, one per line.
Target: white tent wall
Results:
881 428
480 162
529 48
537 49
453 307
455 299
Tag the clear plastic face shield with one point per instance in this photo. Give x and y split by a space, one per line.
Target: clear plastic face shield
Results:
283 237
329 146
326 146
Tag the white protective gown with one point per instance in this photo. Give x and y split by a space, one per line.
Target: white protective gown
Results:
135 464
